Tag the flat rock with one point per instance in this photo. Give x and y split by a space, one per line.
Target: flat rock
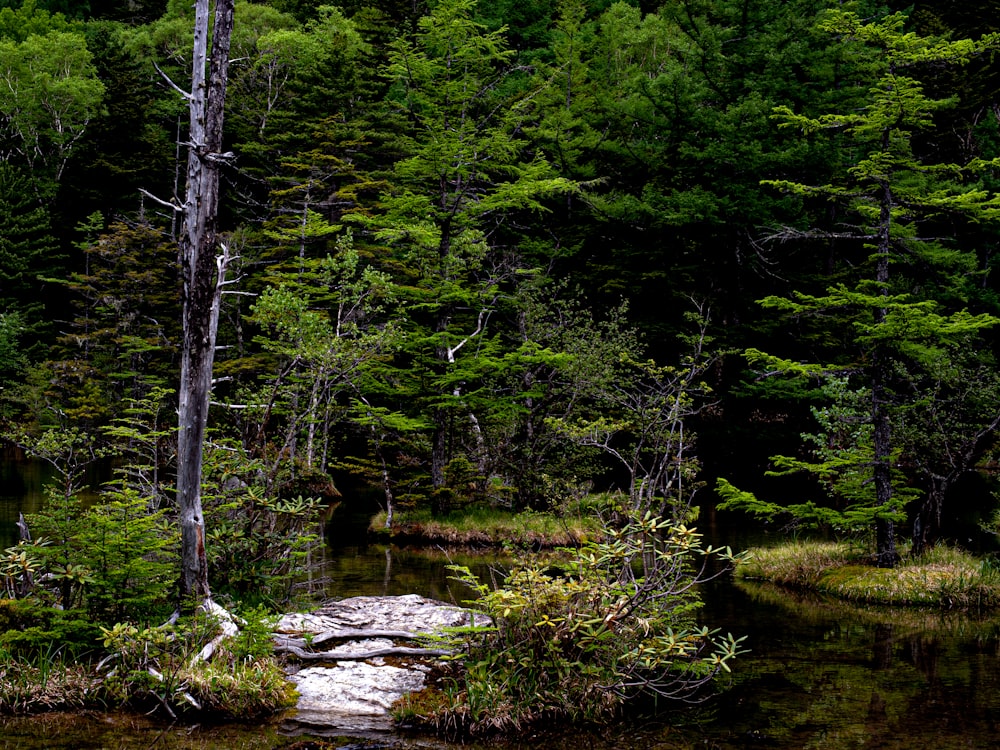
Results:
412 613
357 695
353 695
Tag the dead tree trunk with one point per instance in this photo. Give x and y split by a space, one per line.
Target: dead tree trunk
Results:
203 264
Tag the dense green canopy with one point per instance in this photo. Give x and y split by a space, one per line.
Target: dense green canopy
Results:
495 251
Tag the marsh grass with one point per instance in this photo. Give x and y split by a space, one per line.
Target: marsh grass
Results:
156 667
944 577
491 527
44 681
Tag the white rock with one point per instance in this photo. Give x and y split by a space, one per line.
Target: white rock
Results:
355 695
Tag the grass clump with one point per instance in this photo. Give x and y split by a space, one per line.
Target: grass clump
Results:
797 564
159 667
484 526
44 681
942 577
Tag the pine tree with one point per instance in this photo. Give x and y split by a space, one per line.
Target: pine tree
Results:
465 173
895 329
27 253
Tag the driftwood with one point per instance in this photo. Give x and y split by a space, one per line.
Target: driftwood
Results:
350 634
227 627
360 655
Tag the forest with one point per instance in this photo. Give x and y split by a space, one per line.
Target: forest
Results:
508 254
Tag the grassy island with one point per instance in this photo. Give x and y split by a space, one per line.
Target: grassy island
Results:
942 577
485 527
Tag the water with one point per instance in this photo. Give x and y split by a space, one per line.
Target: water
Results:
819 675
21 490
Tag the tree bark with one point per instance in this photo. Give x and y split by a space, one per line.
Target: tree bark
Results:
203 275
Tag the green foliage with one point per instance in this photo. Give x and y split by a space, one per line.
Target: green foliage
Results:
841 453
143 444
28 19
129 144
46 681
109 558
614 622
485 526
27 252
639 419
905 310
464 175
32 628
122 339
260 548
944 577
129 552
242 681
49 95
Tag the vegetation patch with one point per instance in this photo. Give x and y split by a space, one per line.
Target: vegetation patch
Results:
45 682
797 564
161 667
942 577
490 527
616 622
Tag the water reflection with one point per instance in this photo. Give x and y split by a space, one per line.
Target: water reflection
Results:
824 675
819 675
22 483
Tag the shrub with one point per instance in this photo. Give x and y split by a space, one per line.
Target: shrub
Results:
616 621
158 666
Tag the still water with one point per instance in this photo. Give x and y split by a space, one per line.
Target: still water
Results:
819 675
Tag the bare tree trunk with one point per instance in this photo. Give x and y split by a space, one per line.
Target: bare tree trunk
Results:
203 276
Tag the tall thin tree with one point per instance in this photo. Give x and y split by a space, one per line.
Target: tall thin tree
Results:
203 261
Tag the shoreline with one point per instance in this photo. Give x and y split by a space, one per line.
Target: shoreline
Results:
943 578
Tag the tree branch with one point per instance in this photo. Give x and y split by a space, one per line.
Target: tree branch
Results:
174 86
169 204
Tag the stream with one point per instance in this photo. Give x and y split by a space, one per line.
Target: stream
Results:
819 675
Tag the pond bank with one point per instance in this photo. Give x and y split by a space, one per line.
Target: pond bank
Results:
818 674
943 578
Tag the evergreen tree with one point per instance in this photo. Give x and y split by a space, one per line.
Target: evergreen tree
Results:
465 172
27 254
896 327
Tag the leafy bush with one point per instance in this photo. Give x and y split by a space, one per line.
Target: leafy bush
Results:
158 666
617 621
259 545
109 558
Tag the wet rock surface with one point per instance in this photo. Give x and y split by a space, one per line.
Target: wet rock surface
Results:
339 655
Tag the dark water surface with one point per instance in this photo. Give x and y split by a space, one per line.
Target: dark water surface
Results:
819 675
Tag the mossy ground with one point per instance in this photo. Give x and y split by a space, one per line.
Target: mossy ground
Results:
944 577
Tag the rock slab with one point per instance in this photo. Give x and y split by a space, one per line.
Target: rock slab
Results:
356 695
